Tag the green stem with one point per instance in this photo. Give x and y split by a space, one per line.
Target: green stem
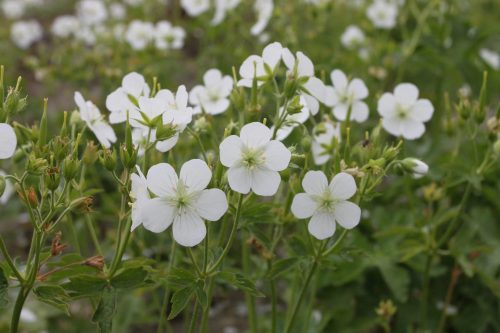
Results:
232 235
196 311
295 310
273 306
166 297
249 299
18 307
11 264
425 293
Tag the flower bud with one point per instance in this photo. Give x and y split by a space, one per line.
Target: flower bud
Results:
108 158
294 106
390 153
306 143
291 86
70 168
128 158
36 165
493 125
415 166
433 193
14 103
165 132
52 178
464 109
32 198
75 118
90 155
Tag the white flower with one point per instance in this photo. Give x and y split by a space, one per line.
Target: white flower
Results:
8 141
65 26
255 66
91 115
415 166
195 7
315 90
221 8
124 99
254 160
490 57
168 37
352 37
292 120
9 190
264 10
403 114
182 201
322 141
25 33
13 9
176 113
383 14
139 34
140 194
213 95
117 11
326 203
91 12
347 95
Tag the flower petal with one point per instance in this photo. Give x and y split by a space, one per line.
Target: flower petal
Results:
347 214
422 110
252 66
211 204
277 156
412 129
195 174
189 229
322 225
340 112
359 112
339 79
134 84
317 88
314 182
230 150
387 105
358 89
272 54
343 186
156 214
8 141
255 135
162 179
212 76
392 125
240 179
305 66
265 182
406 93
303 206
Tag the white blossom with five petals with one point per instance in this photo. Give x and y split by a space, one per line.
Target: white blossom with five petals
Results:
403 113
347 96
124 99
255 66
213 95
182 201
254 160
326 204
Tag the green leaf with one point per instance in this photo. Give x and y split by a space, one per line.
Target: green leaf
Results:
129 278
53 295
85 285
397 278
105 311
281 266
4 284
180 299
181 277
240 282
